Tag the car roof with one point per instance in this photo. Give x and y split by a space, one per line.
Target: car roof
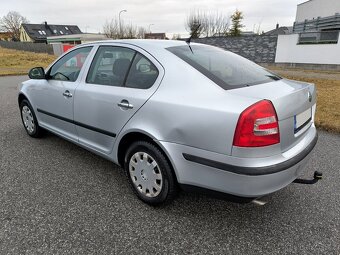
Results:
147 44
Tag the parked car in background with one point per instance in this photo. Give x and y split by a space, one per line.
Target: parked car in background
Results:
176 115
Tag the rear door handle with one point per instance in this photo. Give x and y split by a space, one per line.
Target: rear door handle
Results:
125 104
67 94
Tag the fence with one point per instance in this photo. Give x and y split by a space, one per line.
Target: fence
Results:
26 46
331 22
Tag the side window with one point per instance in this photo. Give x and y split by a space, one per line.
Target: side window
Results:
110 66
143 73
68 67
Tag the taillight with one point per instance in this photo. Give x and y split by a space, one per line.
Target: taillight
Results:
257 126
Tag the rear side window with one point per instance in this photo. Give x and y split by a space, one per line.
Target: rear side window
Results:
119 66
226 69
143 73
110 66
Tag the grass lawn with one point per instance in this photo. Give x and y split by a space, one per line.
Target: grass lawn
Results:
13 62
328 95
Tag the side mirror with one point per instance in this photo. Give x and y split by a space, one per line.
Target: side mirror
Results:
37 73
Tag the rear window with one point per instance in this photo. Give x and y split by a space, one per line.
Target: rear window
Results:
226 69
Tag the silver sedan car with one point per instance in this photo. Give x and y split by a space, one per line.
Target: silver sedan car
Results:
176 115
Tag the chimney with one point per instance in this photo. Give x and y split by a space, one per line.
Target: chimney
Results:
277 25
47 27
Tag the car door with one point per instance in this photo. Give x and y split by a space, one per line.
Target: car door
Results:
54 98
119 81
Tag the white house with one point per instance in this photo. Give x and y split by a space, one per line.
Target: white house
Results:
313 9
315 38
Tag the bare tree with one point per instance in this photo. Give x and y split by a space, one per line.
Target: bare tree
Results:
216 24
141 32
11 23
257 28
112 29
195 23
176 37
211 23
130 31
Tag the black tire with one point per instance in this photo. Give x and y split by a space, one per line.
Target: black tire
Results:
168 189
37 131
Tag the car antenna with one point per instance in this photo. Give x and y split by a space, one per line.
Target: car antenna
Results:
189 39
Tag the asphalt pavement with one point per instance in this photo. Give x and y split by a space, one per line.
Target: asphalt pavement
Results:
57 198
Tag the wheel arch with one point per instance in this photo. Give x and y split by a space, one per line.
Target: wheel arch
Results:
21 97
133 136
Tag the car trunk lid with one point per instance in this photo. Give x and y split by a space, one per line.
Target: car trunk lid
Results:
293 102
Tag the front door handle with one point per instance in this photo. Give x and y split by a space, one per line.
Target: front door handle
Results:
125 104
67 94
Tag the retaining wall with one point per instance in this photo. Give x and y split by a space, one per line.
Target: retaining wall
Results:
258 48
27 46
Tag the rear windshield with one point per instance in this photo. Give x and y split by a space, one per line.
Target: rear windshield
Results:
226 69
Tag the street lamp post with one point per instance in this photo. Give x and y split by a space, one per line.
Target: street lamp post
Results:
150 28
120 24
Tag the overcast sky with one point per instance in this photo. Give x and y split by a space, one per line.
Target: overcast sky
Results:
167 15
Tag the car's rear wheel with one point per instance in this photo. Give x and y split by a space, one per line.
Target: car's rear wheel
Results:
149 173
29 119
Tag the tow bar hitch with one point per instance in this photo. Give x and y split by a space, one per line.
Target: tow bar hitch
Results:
317 177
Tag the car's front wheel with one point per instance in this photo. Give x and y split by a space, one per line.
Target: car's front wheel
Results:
149 173
29 119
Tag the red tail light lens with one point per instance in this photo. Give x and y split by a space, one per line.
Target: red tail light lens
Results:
257 126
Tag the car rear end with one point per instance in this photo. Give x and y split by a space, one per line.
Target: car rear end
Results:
272 139
248 172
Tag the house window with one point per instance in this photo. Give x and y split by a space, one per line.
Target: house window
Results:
61 32
44 33
40 33
322 37
66 28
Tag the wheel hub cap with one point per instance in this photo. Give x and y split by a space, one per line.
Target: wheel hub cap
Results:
145 174
28 119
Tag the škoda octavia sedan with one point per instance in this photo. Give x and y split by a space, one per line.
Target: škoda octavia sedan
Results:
176 115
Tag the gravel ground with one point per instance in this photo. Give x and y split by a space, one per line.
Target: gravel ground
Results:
56 198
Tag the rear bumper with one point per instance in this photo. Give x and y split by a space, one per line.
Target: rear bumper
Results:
241 177
254 171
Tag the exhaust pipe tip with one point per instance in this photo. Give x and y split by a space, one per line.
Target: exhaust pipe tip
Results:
259 202
317 175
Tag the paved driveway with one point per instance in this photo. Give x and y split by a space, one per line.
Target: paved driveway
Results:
60 199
